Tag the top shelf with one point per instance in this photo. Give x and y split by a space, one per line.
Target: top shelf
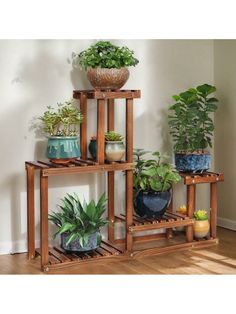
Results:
107 94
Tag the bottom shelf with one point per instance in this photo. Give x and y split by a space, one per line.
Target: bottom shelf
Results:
58 258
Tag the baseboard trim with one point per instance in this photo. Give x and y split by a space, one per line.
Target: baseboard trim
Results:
12 247
226 223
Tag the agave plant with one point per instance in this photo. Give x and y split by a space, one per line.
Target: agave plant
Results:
79 221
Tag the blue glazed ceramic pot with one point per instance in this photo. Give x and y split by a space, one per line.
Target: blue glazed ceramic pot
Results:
63 147
151 204
93 148
74 246
192 162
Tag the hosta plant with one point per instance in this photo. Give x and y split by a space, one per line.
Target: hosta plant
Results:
104 54
153 174
79 220
190 120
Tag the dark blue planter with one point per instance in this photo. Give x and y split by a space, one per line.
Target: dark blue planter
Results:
93 148
93 243
192 162
63 147
151 204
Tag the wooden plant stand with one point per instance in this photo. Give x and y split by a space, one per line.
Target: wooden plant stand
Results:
55 257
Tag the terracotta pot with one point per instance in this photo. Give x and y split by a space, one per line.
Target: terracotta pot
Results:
102 78
201 228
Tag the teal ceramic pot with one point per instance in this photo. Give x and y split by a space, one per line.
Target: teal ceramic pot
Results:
192 162
60 147
114 150
93 148
94 240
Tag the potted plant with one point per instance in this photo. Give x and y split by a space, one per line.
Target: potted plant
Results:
114 146
61 127
191 127
93 146
201 224
153 179
79 225
106 64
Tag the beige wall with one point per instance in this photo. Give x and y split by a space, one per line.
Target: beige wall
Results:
37 73
225 128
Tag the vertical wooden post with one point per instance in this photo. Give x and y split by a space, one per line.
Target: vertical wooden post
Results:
83 126
213 206
44 220
30 212
111 175
169 231
100 130
129 173
191 197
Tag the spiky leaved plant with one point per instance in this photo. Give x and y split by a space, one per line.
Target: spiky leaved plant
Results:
200 214
113 136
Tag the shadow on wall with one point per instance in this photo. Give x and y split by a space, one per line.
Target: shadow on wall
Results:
36 83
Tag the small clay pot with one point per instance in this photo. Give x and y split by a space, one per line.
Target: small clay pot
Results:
114 150
201 228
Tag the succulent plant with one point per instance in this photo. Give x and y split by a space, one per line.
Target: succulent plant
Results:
200 214
113 136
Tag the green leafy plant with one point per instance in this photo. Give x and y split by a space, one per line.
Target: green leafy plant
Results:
104 54
79 220
63 121
113 136
153 174
190 124
200 214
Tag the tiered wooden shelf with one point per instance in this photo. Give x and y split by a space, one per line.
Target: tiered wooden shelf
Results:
55 257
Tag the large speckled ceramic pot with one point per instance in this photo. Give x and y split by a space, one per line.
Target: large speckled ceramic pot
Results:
102 78
63 148
94 241
114 150
201 228
151 204
195 162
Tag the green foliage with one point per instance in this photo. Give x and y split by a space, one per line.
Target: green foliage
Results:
200 214
79 220
190 123
104 54
63 121
153 174
113 136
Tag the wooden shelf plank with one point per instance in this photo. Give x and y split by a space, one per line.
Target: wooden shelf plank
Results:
104 94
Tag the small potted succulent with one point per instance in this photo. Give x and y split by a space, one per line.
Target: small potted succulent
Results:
114 146
191 127
201 224
153 179
61 126
79 225
106 64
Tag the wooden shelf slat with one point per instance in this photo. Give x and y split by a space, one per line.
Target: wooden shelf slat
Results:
105 94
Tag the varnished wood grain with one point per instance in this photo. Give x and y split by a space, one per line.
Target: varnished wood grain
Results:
83 126
30 212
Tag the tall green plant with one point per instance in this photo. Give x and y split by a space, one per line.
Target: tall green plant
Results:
191 124
104 54
153 174
79 220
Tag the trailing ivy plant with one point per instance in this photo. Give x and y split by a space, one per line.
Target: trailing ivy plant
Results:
191 125
63 121
153 174
104 54
79 220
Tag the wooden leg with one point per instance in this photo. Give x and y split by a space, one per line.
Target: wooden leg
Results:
129 209
83 126
191 191
169 231
30 212
213 213
111 206
100 130
44 220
